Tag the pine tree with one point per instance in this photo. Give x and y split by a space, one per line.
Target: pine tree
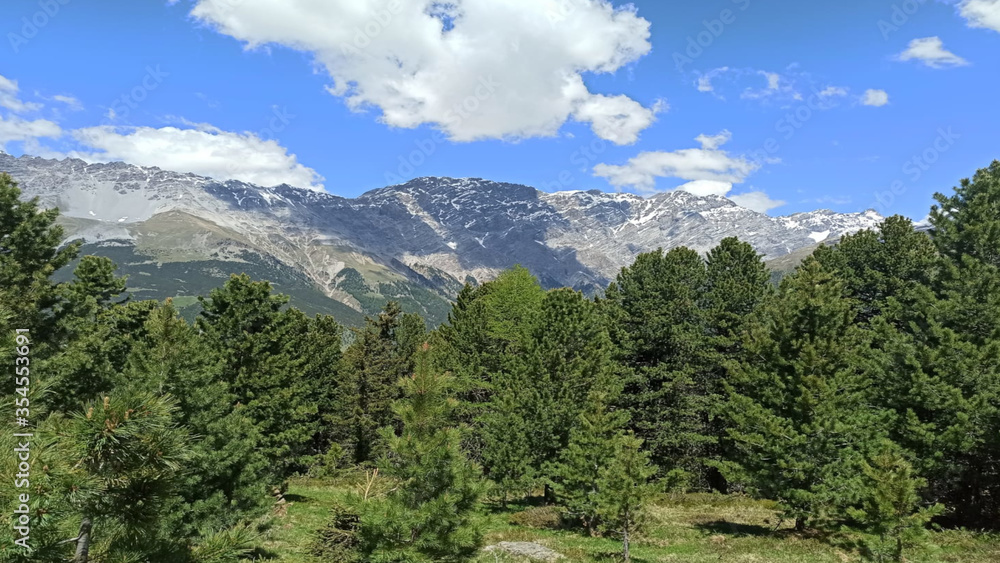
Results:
890 507
96 331
799 413
321 349
887 271
623 490
30 252
227 477
953 415
930 315
658 319
487 326
431 514
737 287
128 450
504 434
941 392
568 357
592 445
256 340
967 223
463 343
94 280
966 230
371 368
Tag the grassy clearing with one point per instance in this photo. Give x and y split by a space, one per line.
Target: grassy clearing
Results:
693 528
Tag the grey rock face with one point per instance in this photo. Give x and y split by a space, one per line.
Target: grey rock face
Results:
429 229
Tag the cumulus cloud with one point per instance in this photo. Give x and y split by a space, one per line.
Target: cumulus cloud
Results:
618 119
476 69
757 201
931 52
709 171
981 13
706 168
9 99
875 98
204 150
13 128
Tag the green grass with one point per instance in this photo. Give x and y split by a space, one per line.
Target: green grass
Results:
692 528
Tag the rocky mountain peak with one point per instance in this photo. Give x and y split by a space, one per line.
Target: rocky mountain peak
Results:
438 232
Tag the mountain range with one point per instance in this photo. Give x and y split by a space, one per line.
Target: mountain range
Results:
178 234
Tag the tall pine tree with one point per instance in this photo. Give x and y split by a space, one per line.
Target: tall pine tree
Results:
256 341
372 365
799 415
431 514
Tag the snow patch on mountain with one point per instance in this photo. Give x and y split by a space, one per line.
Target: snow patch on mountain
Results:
466 227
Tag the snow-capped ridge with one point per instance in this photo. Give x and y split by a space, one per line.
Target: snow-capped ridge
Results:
456 227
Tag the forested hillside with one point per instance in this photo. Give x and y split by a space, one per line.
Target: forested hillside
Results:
860 398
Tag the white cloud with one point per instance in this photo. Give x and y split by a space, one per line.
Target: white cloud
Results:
477 69
833 92
757 201
14 128
786 88
9 99
705 80
931 52
709 171
706 187
714 141
875 98
618 119
71 102
778 87
773 80
707 164
205 150
981 13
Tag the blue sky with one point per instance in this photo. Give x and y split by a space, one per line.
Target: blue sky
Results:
782 105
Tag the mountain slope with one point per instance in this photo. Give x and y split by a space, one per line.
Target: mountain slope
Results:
416 242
